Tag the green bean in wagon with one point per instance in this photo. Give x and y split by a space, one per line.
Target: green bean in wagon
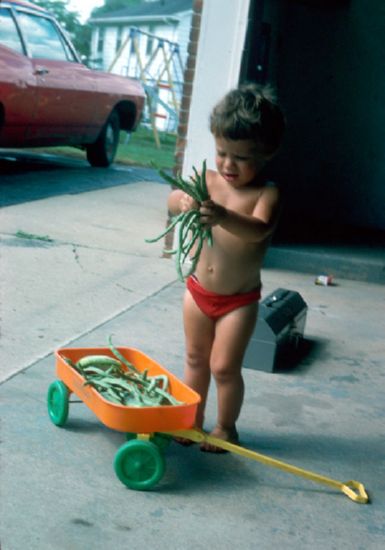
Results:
130 387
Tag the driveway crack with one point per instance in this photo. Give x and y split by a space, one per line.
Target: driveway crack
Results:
76 255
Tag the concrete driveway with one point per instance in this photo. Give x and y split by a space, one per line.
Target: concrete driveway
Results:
75 270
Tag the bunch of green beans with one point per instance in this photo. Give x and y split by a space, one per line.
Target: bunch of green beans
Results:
130 387
190 230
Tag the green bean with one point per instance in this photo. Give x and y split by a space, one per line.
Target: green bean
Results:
110 395
195 258
197 181
168 397
137 394
96 371
189 222
151 386
127 387
164 379
168 178
203 182
170 251
186 242
189 219
101 361
175 220
207 234
181 184
119 356
187 249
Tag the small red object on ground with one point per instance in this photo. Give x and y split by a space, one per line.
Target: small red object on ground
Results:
324 280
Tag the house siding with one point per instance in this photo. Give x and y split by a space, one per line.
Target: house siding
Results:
104 59
183 35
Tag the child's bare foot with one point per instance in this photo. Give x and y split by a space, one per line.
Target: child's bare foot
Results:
230 435
184 440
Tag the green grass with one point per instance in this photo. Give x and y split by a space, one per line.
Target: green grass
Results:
140 150
31 236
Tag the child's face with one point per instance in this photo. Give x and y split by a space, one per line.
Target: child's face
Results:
238 161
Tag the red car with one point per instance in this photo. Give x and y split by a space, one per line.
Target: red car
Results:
48 97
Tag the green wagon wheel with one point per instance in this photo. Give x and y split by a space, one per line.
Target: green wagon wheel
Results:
162 441
57 401
139 464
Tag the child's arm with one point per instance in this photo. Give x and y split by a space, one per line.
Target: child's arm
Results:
179 201
251 228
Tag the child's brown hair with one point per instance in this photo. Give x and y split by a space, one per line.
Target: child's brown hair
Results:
249 112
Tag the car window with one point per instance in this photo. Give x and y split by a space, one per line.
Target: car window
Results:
43 38
9 35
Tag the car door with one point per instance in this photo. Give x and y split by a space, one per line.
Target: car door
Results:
61 115
18 96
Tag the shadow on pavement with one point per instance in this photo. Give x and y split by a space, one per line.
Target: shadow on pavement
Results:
28 176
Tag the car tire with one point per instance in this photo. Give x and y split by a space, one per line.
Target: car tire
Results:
102 153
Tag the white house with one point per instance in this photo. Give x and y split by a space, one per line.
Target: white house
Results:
148 41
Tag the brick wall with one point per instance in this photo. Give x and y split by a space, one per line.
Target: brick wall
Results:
189 74
188 85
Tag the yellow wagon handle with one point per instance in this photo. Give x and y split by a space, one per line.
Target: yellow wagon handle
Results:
352 489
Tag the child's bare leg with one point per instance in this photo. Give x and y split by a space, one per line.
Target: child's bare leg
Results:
232 334
199 335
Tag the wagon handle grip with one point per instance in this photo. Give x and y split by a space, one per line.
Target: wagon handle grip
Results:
355 491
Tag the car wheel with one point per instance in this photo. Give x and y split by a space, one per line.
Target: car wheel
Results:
103 151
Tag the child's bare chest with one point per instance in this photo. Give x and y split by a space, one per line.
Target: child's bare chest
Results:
241 201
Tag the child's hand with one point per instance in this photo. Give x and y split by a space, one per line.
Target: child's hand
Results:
188 203
212 213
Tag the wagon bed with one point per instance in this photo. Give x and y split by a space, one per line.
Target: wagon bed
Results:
122 417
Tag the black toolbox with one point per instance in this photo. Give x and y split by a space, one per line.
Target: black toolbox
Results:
279 331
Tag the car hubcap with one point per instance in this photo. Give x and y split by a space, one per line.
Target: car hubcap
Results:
110 140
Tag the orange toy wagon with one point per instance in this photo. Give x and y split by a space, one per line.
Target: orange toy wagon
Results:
140 462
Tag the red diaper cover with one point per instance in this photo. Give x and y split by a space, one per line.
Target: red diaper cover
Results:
216 305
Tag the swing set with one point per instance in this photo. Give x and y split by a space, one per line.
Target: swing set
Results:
160 70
